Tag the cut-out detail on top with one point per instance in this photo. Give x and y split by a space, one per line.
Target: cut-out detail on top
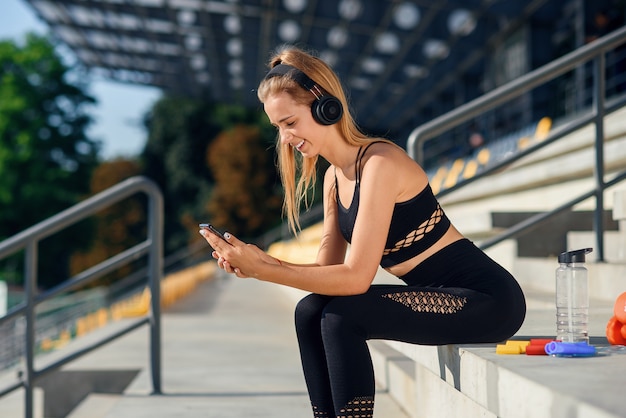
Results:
419 233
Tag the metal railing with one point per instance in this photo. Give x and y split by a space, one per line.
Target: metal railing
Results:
594 51
28 241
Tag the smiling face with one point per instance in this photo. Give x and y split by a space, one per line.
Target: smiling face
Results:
295 123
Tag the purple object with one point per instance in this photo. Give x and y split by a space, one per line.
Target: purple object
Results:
561 349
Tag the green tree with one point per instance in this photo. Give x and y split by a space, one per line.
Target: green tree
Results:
46 159
246 198
179 132
117 227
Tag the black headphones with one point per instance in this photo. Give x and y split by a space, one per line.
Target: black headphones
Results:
326 109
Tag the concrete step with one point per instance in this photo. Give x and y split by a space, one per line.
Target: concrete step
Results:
571 157
96 405
474 381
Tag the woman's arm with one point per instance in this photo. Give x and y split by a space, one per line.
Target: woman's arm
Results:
333 246
333 274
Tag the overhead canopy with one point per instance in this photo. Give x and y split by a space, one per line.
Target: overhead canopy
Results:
402 62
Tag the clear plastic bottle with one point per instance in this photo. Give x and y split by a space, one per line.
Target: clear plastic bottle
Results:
572 297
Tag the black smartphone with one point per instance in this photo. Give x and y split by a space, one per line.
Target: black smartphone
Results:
214 230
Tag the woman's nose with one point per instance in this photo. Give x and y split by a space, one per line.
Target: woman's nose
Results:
285 136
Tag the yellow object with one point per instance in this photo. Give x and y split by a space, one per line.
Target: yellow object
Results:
523 143
512 347
483 156
470 169
543 128
455 171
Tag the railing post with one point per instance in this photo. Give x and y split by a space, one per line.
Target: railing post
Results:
599 112
155 231
30 277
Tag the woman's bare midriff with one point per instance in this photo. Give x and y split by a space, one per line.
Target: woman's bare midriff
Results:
452 235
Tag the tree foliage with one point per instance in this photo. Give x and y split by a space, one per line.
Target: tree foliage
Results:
246 198
179 132
46 158
117 227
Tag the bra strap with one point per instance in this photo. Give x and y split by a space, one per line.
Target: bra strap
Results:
359 158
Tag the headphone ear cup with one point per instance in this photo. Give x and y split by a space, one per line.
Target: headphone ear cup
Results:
327 110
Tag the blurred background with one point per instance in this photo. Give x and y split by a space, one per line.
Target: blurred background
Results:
93 93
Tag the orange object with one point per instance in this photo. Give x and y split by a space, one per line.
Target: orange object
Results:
614 332
623 330
619 309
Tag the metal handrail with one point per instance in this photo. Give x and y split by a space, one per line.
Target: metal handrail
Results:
153 246
593 51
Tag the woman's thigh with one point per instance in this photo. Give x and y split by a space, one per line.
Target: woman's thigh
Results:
420 315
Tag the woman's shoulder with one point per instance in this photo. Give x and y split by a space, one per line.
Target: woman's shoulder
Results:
385 151
393 160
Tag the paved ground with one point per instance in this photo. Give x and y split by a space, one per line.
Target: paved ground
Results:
229 350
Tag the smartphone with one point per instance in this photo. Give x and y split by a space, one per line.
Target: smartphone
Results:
214 230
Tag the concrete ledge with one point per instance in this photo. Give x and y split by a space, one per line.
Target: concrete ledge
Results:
473 381
102 403
619 205
395 373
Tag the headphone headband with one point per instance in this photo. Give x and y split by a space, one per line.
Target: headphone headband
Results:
326 109
293 73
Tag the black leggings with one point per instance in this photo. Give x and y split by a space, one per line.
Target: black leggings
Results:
459 295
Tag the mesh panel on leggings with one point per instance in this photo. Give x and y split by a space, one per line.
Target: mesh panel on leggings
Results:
318 413
434 302
362 407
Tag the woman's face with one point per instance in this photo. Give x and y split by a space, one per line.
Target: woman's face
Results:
295 123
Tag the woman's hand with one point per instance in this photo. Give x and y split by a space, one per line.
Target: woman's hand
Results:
238 257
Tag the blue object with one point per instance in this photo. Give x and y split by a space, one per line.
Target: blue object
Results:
561 349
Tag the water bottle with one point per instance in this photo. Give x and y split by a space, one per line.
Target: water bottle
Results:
572 297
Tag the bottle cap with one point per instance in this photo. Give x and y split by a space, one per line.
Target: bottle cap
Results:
575 256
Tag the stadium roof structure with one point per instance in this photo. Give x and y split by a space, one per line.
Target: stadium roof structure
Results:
401 61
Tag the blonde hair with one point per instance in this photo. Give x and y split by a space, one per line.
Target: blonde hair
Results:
298 175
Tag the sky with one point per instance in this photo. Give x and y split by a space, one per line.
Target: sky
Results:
120 108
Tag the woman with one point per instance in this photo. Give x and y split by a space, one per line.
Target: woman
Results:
378 200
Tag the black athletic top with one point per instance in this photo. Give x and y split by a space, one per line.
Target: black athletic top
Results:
416 224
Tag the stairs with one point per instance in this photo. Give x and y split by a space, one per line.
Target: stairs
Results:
474 381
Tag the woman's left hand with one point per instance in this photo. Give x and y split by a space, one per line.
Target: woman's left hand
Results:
235 256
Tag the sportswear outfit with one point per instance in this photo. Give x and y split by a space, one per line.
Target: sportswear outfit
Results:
458 295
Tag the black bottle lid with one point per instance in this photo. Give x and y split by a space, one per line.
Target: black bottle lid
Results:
575 256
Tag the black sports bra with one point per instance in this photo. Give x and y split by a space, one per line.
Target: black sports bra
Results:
416 224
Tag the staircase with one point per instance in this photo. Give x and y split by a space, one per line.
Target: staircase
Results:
474 381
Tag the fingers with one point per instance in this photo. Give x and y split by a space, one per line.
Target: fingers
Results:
228 268
218 242
223 247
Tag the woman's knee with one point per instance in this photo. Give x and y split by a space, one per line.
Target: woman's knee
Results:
339 320
309 311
